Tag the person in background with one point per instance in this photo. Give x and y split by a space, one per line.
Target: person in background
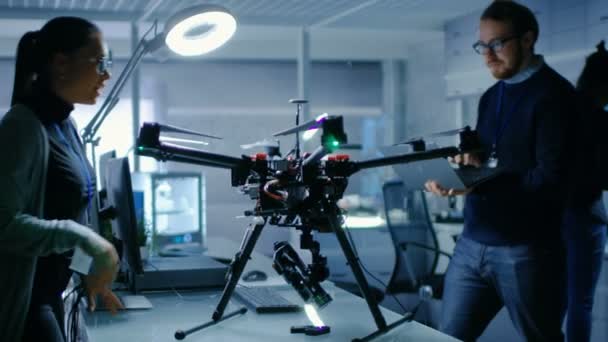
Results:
510 252
47 183
585 218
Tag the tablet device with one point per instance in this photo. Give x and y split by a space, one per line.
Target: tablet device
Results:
415 174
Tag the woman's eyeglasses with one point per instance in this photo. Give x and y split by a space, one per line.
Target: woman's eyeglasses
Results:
104 64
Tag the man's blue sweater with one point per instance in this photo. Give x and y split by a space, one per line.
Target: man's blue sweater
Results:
524 204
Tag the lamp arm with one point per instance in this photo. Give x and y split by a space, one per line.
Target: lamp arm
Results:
143 47
90 130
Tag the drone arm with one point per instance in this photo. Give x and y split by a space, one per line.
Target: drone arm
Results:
172 152
316 156
213 158
408 158
148 144
151 147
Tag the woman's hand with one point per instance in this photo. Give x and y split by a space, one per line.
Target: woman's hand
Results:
99 282
96 286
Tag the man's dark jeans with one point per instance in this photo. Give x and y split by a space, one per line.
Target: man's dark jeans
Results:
528 280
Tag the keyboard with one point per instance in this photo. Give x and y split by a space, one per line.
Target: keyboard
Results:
265 300
181 250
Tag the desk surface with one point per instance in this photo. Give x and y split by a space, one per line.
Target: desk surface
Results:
348 316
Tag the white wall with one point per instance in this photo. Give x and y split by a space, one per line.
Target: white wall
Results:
427 108
569 30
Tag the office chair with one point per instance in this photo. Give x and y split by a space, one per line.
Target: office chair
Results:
415 241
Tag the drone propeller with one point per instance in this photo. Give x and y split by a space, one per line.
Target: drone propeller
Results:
410 141
448 133
314 123
187 141
272 148
262 143
175 129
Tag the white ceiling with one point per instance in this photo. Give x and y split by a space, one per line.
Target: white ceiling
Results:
339 28
366 14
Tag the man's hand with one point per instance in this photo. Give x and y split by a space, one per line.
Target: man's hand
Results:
467 159
437 189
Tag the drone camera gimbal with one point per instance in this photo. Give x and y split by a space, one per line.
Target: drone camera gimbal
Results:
305 280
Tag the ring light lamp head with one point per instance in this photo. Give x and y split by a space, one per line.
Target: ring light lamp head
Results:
200 29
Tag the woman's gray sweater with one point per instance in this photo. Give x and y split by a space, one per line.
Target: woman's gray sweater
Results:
24 152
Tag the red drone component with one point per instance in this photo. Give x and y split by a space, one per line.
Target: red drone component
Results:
261 156
342 157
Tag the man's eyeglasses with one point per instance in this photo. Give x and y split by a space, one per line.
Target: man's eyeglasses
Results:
495 45
104 64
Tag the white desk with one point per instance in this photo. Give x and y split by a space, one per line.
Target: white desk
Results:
348 316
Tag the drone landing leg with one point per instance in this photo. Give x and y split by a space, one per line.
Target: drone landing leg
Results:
353 261
238 265
234 274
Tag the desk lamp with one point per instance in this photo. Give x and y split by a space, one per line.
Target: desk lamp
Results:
190 32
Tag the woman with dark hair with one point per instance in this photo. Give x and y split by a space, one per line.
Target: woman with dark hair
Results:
585 218
47 183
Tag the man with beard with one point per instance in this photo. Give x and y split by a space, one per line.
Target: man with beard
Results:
510 252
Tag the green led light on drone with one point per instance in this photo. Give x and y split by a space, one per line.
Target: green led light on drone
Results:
332 143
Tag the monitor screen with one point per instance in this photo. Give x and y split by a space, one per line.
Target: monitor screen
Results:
124 225
103 162
176 209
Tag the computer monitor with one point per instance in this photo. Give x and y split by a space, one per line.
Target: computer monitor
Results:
157 273
99 212
124 225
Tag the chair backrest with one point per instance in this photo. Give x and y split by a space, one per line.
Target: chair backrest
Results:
408 220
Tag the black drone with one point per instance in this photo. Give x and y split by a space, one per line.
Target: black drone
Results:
300 190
